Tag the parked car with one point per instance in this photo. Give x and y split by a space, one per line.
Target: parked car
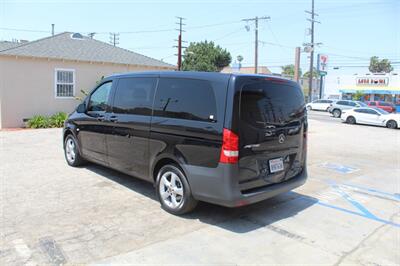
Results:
388 107
337 108
371 116
227 139
321 105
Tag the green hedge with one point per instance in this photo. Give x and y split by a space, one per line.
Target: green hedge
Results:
41 121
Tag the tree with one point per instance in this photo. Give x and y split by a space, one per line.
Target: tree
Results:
358 96
288 70
380 66
315 73
205 56
239 58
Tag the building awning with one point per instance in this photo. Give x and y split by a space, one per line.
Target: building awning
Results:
372 90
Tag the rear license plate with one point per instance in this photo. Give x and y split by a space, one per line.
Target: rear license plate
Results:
276 165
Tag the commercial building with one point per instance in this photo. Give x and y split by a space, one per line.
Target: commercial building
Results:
375 87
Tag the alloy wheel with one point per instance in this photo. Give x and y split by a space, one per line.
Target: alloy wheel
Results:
171 190
70 150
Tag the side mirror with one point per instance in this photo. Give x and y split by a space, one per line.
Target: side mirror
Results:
81 108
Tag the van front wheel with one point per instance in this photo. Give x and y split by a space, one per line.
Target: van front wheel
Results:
173 190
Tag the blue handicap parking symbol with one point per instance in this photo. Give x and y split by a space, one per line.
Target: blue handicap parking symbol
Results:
343 169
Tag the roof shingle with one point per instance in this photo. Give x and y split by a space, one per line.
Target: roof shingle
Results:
62 46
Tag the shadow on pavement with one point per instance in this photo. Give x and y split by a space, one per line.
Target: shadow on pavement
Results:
239 220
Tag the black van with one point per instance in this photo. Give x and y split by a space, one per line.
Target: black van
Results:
228 139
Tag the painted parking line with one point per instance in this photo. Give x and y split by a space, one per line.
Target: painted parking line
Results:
360 209
394 196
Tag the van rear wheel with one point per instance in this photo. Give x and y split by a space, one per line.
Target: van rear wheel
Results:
173 190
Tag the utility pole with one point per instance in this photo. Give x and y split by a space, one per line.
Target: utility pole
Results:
256 39
91 35
114 38
52 29
179 46
311 45
297 64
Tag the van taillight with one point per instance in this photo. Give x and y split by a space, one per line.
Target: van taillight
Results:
230 147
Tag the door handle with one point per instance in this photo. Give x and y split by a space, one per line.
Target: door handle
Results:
114 119
100 118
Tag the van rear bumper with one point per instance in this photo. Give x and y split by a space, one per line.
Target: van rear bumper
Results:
220 186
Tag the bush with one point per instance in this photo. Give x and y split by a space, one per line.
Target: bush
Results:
57 120
41 121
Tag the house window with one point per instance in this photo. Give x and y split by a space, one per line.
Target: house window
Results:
65 83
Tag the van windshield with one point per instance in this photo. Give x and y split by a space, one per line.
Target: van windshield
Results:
271 102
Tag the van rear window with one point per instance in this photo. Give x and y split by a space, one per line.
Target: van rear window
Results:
268 102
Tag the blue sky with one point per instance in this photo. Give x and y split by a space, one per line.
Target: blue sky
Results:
351 31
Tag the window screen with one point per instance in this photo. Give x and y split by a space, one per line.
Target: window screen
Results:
190 99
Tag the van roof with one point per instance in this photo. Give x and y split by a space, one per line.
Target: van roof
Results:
196 74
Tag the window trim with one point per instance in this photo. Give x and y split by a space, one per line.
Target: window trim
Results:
73 83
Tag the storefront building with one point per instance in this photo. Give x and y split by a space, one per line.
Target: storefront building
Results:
373 87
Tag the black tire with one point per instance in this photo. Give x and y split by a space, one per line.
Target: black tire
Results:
337 113
351 120
77 159
309 108
391 124
186 202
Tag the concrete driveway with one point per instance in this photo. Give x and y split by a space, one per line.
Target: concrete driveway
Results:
347 213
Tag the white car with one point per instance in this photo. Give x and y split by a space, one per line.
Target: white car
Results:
371 116
322 105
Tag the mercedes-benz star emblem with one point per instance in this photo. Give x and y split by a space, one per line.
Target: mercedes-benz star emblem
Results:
281 138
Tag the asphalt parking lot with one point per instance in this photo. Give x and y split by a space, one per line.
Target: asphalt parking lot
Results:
346 213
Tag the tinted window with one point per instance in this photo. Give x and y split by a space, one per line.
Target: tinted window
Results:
351 103
384 104
383 112
318 101
270 102
190 99
371 112
359 110
372 104
134 96
362 104
341 103
99 98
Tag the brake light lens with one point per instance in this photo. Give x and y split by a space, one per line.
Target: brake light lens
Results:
230 147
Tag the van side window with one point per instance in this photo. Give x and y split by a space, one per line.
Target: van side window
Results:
190 99
134 96
99 98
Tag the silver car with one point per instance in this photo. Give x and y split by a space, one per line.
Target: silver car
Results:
336 108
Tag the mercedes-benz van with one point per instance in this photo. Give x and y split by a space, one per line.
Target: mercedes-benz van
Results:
227 139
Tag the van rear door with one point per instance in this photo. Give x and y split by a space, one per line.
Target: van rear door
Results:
272 130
